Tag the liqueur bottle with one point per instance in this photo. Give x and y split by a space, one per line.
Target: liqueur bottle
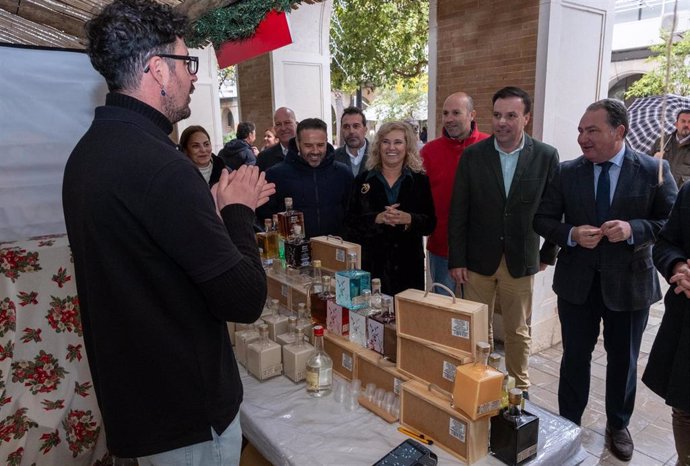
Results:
514 432
242 339
262 241
508 380
288 219
272 239
297 249
304 321
319 368
381 332
279 238
477 387
264 356
295 357
350 283
316 274
319 301
358 320
288 337
277 324
376 295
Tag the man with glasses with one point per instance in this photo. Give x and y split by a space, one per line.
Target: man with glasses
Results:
161 262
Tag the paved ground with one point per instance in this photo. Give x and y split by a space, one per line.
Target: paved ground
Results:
650 425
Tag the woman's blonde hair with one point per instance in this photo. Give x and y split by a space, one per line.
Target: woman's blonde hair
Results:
412 159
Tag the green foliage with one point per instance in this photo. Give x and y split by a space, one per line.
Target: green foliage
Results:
377 42
399 102
237 21
653 82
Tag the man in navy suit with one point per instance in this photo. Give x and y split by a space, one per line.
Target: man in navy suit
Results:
605 209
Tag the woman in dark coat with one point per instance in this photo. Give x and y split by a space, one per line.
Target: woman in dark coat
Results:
196 144
391 209
668 370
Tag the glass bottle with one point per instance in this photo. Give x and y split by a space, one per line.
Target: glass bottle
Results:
242 339
376 295
262 241
288 337
319 301
508 380
316 276
477 387
381 333
289 218
280 239
304 321
297 249
264 357
295 357
350 283
277 324
514 432
358 321
319 368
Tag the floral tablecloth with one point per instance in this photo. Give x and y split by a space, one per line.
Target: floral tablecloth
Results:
48 409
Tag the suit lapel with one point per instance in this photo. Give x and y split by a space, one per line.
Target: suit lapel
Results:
524 159
626 179
585 180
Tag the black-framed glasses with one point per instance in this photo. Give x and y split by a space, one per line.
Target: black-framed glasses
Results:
191 62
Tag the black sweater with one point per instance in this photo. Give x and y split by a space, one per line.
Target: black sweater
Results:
158 275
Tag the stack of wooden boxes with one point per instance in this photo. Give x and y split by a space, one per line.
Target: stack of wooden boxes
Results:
436 334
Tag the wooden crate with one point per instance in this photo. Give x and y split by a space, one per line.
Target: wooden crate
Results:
332 252
456 324
342 352
373 368
427 412
430 363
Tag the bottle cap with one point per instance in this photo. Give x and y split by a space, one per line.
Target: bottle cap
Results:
375 281
267 223
292 320
297 229
326 279
483 347
495 360
352 255
366 293
263 329
288 200
515 396
316 263
318 332
301 306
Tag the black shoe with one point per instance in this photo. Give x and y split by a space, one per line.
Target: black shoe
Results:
620 442
525 395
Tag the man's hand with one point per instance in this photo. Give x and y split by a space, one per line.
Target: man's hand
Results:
681 278
460 275
246 185
587 236
616 230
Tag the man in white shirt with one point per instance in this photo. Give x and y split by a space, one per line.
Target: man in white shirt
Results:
353 126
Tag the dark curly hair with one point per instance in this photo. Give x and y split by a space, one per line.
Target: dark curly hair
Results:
126 33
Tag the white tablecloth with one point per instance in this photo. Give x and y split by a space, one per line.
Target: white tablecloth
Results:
289 427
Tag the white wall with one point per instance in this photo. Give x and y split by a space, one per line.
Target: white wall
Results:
47 101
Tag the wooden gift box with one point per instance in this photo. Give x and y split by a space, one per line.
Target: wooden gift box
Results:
430 363
425 411
332 251
456 324
342 352
372 368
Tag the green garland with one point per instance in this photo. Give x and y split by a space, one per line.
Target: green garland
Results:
234 22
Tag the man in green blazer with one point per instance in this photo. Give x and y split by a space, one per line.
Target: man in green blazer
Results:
493 249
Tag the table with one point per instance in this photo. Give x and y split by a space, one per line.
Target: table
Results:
48 409
288 427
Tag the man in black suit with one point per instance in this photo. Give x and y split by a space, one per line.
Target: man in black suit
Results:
353 125
604 209
493 250
285 127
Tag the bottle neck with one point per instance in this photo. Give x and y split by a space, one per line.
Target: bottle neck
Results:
482 359
318 343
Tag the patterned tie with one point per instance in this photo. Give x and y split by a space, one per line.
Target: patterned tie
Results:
603 200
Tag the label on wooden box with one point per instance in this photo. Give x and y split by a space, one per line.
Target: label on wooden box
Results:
430 413
429 363
456 324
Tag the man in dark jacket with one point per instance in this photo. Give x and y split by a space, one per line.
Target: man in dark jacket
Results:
319 186
284 125
240 151
353 126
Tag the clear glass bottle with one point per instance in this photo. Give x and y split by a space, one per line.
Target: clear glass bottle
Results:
295 357
290 218
316 276
381 333
297 249
508 380
262 241
477 387
514 432
288 337
358 321
280 239
242 339
319 301
277 323
350 283
264 357
376 295
319 368
304 321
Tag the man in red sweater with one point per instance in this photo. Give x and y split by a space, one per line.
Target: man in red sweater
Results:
441 157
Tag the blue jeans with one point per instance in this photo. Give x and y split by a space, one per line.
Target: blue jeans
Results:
438 268
223 450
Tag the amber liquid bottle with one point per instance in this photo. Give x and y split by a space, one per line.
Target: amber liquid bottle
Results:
319 301
288 219
477 387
